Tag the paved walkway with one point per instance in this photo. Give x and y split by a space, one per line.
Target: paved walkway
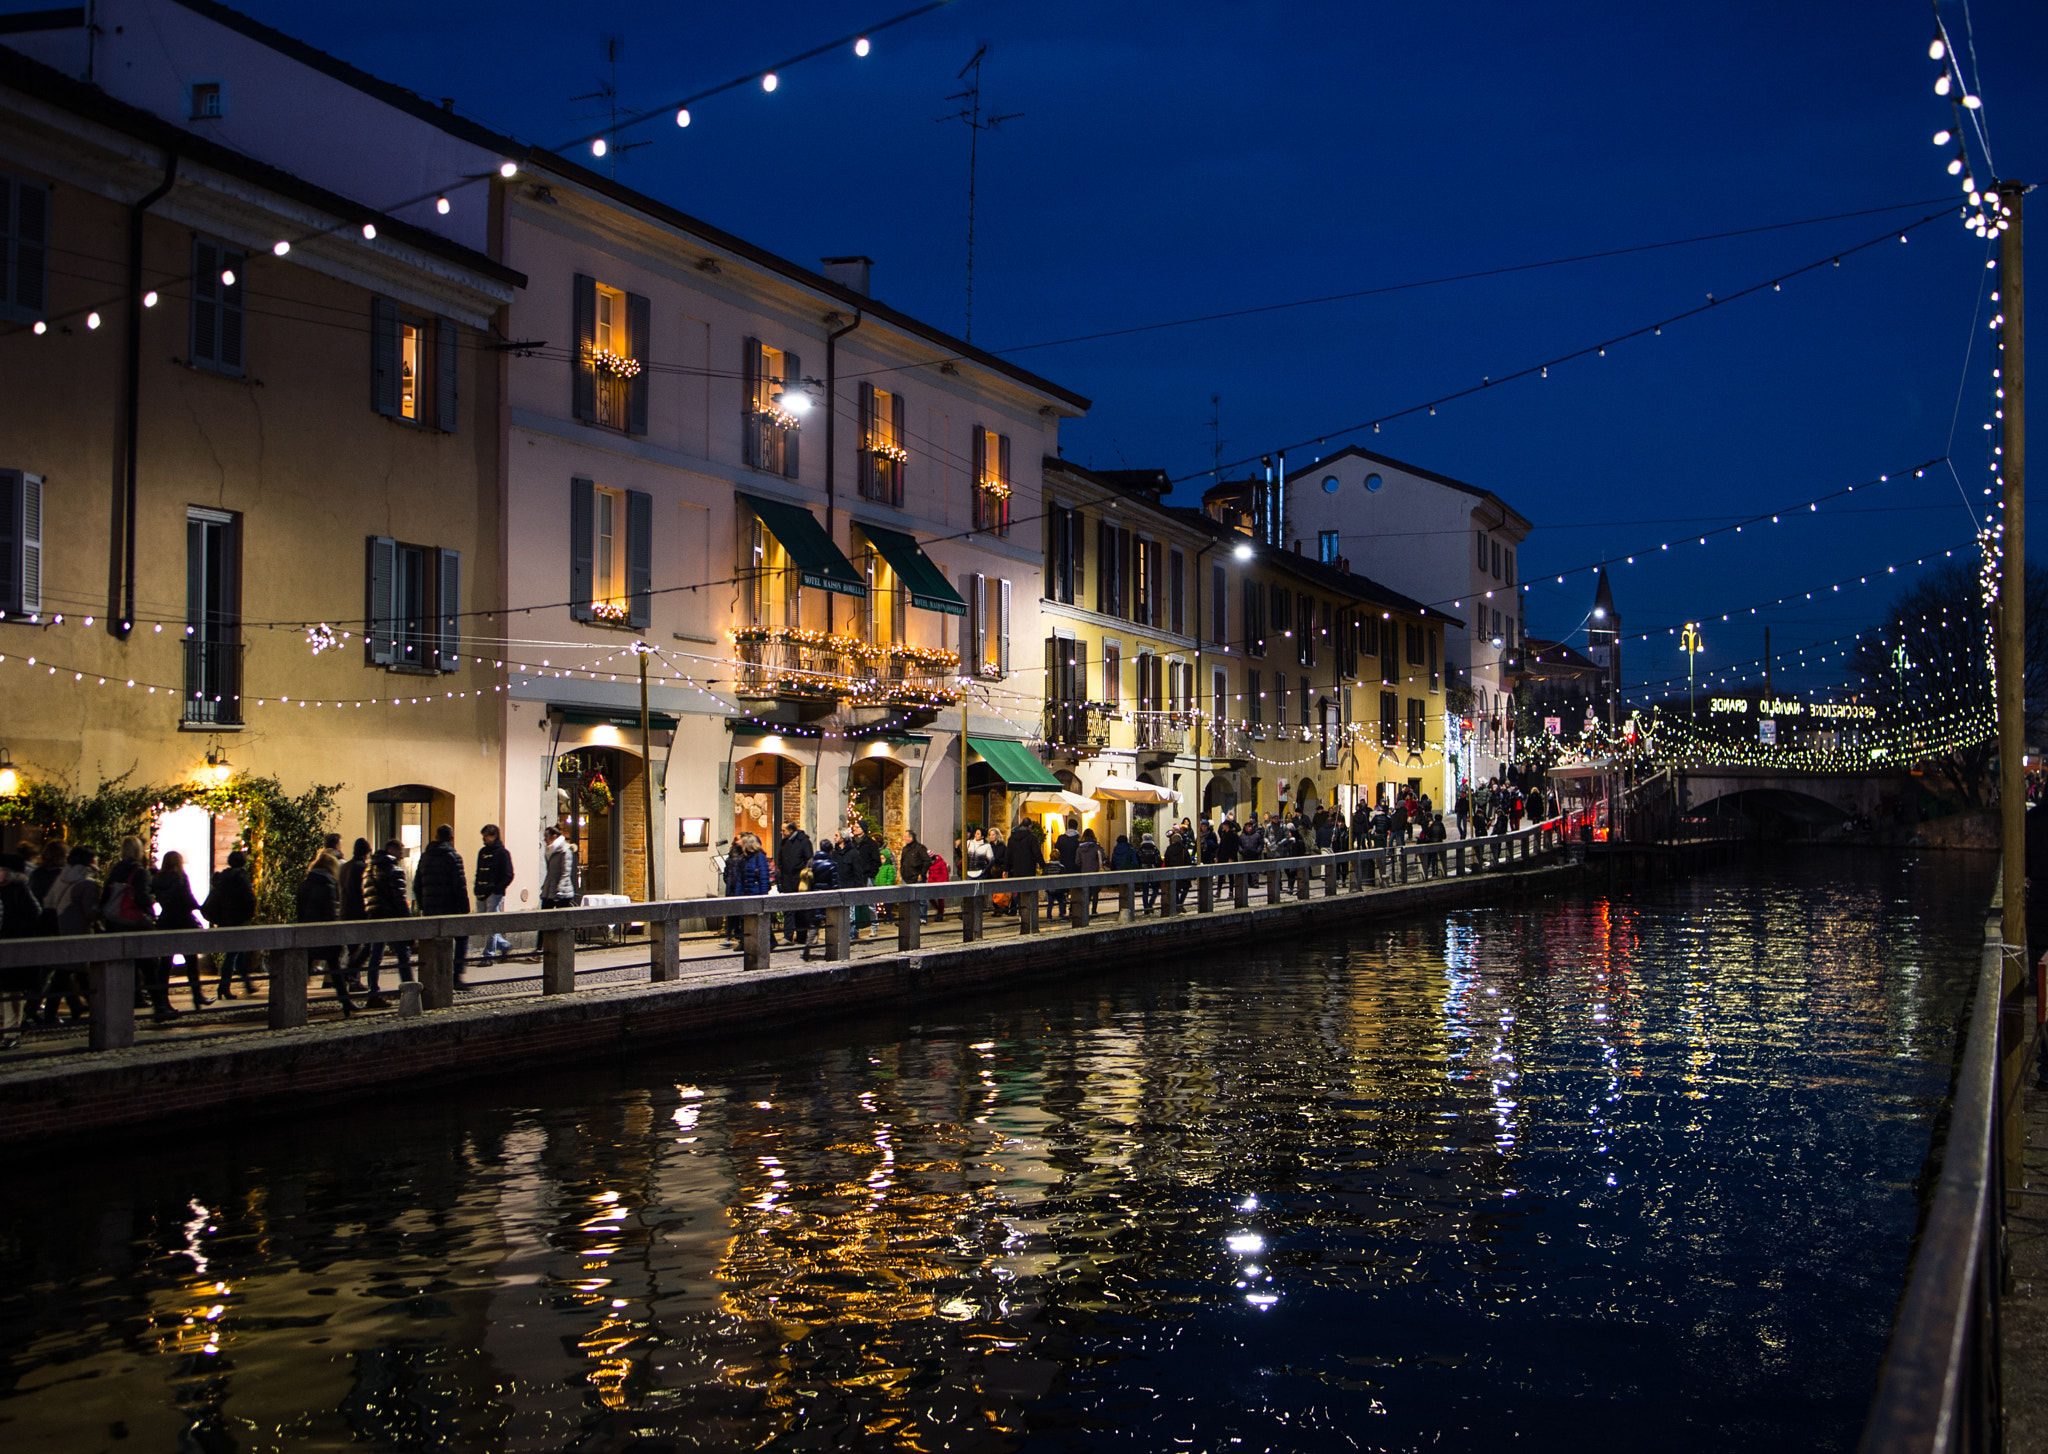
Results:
627 963
2023 1317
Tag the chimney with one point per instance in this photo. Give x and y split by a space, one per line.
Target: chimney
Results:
850 273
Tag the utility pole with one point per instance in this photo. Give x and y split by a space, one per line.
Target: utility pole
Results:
2009 357
970 116
654 839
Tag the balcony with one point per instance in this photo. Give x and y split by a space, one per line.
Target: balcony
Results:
1161 731
1080 729
213 683
812 673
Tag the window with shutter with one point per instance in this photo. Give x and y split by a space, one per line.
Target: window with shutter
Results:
992 485
1176 594
1219 591
582 494
24 248
217 284
385 364
21 543
1003 628
447 334
640 557
1112 674
974 591
380 620
1254 699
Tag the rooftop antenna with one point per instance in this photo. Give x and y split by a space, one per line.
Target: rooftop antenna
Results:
970 116
607 92
1214 424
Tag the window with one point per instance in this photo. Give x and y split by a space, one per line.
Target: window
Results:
1280 699
1219 591
1144 582
1065 557
208 104
1429 641
1511 567
1282 601
1254 620
887 602
992 482
771 585
21 543
1326 546
613 332
1415 724
882 450
1147 698
24 248
1390 652
611 554
1496 560
1482 548
1305 632
1112 673
217 306
1414 634
1066 669
1327 734
1373 482
1219 684
985 634
213 650
412 366
1254 699
415 606
1390 719
1307 696
1177 593
1347 646
1368 635
1111 547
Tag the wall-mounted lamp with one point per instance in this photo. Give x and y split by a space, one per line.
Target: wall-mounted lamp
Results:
10 780
218 768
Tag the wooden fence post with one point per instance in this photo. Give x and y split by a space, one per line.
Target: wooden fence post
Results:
437 974
970 918
111 987
665 951
558 961
289 972
909 926
757 940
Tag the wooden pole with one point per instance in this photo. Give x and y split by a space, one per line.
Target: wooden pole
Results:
647 784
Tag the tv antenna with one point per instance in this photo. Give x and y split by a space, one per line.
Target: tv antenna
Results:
1214 424
970 116
607 93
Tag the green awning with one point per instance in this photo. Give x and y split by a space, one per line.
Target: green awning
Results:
919 574
1015 763
818 561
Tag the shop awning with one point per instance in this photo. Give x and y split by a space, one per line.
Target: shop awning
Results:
1064 800
1131 790
1014 763
918 572
818 561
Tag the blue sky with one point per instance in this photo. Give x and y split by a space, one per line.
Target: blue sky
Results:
1182 159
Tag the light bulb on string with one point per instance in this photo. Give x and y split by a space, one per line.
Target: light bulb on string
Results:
862 46
1941 84
683 116
442 205
770 81
281 247
508 170
598 148
369 232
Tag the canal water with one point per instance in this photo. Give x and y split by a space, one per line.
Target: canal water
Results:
1581 1174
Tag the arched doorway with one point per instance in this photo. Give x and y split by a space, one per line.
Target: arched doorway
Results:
767 790
409 813
1306 798
590 801
1219 798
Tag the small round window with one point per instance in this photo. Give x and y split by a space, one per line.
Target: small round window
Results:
1330 483
1372 482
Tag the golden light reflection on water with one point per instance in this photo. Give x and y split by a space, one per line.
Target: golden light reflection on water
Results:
1611 1163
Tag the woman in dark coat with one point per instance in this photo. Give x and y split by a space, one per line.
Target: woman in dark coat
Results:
177 909
231 903
128 907
319 902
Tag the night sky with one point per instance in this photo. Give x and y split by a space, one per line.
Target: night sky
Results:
1180 159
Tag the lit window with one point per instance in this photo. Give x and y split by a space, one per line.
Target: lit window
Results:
409 341
608 537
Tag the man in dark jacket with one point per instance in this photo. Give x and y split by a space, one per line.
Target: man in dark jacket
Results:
319 902
493 876
384 898
231 903
351 881
1227 840
440 886
792 857
913 866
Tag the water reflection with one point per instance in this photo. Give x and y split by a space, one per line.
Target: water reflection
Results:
1587 1174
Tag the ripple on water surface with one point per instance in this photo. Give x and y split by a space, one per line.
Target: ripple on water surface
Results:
1578 1174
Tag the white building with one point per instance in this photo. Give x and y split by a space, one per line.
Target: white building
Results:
1448 544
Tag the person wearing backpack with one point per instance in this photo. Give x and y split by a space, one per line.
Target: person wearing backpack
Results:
127 907
1148 858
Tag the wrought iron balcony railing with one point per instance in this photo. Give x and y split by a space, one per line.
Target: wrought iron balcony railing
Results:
1078 727
213 682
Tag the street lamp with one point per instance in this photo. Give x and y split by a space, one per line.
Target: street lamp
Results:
10 780
1689 642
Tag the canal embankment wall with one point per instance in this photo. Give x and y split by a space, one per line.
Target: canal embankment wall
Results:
130 1090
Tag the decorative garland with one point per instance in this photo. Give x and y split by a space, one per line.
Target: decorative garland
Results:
894 453
777 417
618 365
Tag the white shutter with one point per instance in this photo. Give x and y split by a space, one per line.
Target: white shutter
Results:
1003 630
31 526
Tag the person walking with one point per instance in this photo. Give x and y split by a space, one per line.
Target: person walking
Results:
1179 854
1088 859
1462 810
177 909
981 856
1340 842
792 857
128 907
73 902
21 917
384 898
937 873
353 907
914 866
821 876
231 903
752 877
441 888
558 873
858 861
494 875
1229 841
319 902
1148 858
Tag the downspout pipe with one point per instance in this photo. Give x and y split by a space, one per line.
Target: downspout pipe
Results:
132 400
831 454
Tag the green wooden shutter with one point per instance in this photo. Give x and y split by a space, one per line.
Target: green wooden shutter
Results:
582 371
384 364
639 337
582 500
447 336
640 558
380 625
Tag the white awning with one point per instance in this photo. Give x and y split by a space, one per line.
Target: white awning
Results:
1073 802
1131 790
